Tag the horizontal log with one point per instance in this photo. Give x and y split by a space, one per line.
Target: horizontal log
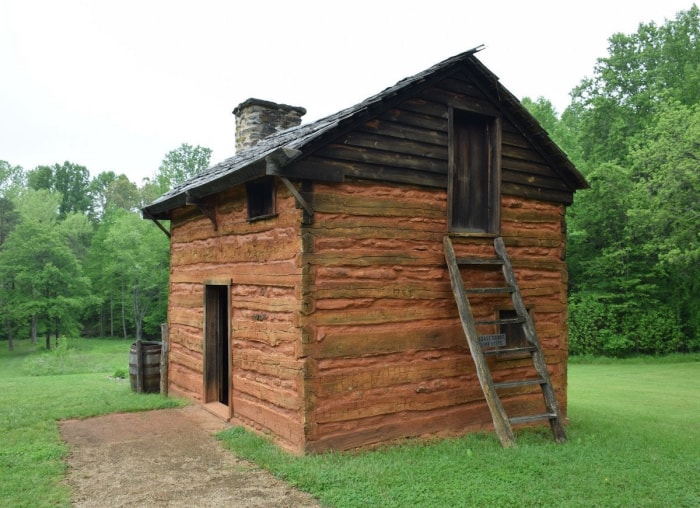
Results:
455 420
387 311
426 107
329 377
264 394
526 154
539 181
396 175
351 338
186 380
384 158
379 141
525 166
525 191
382 273
279 244
381 289
420 396
379 228
459 83
185 357
279 366
372 206
277 335
396 129
279 273
187 337
462 101
514 138
187 316
285 425
185 299
403 115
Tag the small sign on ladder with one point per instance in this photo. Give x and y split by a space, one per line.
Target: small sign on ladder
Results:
493 340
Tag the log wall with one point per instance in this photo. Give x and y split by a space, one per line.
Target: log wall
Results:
387 358
260 260
409 142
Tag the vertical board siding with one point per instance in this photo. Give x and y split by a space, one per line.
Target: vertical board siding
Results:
387 358
260 260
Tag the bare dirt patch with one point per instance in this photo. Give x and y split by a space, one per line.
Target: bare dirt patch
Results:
165 458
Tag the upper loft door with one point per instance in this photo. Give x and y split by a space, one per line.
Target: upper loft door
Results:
474 177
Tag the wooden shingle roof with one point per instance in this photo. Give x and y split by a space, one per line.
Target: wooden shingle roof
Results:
274 153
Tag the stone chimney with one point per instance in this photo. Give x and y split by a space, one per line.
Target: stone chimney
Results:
257 119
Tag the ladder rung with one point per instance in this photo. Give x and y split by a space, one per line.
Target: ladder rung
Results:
479 261
515 384
489 290
509 321
510 351
532 418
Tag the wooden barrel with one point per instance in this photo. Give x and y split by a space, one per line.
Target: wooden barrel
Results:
151 366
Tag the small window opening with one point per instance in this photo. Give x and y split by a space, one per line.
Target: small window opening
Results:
515 335
261 199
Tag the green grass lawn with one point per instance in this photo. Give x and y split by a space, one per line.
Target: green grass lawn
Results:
634 440
37 389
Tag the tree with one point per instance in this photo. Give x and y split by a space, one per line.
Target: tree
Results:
72 181
665 208
137 259
559 129
633 237
110 190
181 164
45 278
12 179
123 193
642 70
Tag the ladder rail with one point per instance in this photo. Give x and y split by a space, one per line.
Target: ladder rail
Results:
538 359
502 423
498 413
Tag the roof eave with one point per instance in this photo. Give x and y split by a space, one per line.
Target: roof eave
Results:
271 164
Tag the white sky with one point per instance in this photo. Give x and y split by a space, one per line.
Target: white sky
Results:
114 85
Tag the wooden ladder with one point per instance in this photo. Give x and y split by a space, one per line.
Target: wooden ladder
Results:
501 421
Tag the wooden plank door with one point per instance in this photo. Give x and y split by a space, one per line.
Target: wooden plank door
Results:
217 354
474 173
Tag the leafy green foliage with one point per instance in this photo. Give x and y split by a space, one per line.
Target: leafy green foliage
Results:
633 237
642 70
70 180
75 254
45 277
180 164
136 257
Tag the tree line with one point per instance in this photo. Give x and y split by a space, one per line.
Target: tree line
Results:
75 254
633 129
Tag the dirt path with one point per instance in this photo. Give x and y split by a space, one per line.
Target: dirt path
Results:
165 458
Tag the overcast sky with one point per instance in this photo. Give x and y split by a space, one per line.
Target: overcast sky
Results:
115 85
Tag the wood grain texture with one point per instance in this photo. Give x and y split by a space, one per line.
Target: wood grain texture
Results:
382 332
260 262
344 330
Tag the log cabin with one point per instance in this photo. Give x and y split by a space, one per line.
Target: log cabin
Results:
310 294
